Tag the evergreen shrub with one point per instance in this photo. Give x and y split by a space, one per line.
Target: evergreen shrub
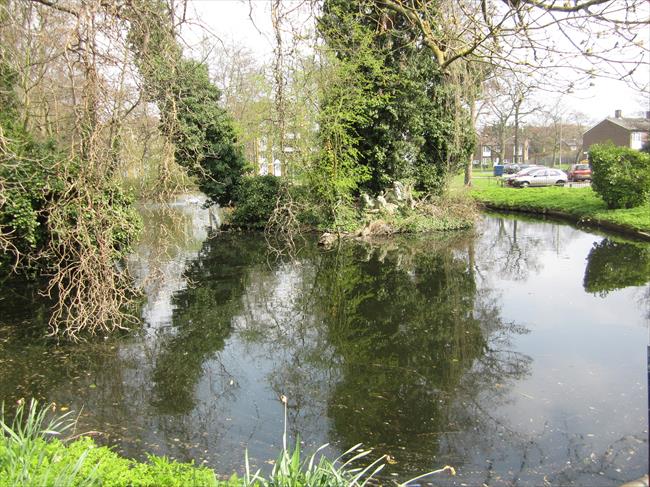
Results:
255 199
621 176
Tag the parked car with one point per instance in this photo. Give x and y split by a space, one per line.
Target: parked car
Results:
540 177
579 172
511 168
509 179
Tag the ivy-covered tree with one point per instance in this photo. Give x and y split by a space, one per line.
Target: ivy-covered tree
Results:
201 131
420 129
203 134
28 182
39 210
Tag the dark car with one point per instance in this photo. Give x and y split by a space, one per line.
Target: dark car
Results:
511 168
579 172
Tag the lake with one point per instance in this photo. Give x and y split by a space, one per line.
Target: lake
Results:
515 352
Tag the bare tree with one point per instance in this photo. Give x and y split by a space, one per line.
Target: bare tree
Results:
606 35
508 101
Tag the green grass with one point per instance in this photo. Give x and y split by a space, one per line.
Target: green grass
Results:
33 453
581 203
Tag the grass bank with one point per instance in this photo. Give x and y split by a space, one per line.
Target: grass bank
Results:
33 453
580 205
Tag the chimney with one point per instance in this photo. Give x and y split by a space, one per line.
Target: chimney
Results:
618 113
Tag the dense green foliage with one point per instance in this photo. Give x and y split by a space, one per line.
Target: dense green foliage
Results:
30 454
82 463
621 176
347 100
256 198
580 203
202 133
28 187
411 127
28 176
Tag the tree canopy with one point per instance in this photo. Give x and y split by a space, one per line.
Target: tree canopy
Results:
417 129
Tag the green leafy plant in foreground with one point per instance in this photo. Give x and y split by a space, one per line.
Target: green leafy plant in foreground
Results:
27 458
290 470
32 453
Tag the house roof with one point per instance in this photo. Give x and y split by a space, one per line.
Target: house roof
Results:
631 124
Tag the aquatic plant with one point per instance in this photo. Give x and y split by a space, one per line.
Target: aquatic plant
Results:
318 471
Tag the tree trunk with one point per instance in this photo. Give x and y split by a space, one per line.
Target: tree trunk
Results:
468 164
516 148
502 149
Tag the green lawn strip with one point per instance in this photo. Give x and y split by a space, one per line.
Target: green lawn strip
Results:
580 203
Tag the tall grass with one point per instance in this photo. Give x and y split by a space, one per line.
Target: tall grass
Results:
26 455
291 470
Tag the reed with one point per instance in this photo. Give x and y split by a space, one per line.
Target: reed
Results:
26 455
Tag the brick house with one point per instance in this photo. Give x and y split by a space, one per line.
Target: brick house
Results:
619 130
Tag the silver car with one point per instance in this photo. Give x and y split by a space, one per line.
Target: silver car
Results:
540 177
507 180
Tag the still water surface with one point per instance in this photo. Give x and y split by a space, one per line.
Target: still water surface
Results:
515 352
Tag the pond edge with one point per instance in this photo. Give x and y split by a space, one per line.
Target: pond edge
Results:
579 220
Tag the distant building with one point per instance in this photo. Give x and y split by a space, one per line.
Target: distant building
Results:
267 156
571 145
488 152
619 130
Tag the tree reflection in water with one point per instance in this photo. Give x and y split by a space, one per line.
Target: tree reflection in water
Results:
203 318
614 264
419 346
395 338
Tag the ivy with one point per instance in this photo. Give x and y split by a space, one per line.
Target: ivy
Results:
408 122
202 132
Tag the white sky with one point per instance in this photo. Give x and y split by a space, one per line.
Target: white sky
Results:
230 20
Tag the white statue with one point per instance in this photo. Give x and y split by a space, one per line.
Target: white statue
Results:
385 205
